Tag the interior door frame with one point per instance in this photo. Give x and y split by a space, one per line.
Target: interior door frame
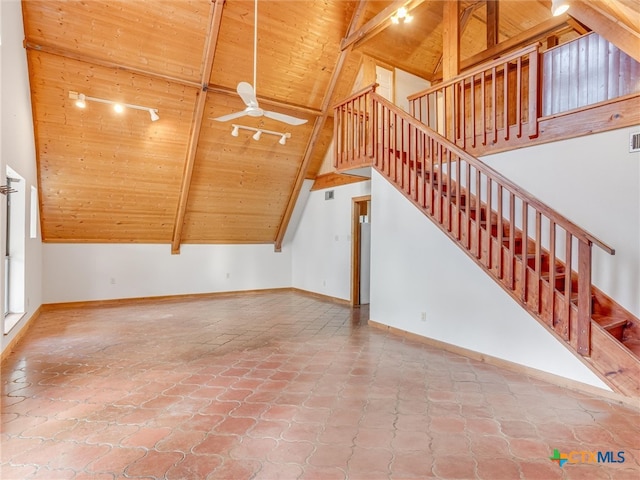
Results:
356 208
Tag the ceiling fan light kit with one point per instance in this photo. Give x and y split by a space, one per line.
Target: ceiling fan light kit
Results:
81 102
247 92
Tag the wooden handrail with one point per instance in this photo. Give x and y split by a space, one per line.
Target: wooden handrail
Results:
469 73
558 218
369 88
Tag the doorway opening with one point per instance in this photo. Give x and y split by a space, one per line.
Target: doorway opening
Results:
361 250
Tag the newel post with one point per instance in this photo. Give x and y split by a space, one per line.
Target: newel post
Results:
584 298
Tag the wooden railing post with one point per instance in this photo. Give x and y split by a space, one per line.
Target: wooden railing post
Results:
535 86
584 298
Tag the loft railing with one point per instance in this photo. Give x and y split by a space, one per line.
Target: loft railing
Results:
487 104
537 255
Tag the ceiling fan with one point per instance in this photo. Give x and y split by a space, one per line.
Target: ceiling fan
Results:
248 94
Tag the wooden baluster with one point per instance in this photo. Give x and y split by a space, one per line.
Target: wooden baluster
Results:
525 248
478 214
448 197
468 206
387 142
473 111
336 136
552 272
432 156
423 156
350 133
512 240
505 101
428 111
519 98
489 228
533 94
494 104
440 214
567 279
483 107
538 266
463 114
458 188
584 298
500 235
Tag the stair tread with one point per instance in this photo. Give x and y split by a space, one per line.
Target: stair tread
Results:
608 321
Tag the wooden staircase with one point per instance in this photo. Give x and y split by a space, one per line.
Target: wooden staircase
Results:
540 258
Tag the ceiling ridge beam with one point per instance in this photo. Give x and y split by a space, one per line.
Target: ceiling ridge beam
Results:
65 53
378 23
317 129
215 17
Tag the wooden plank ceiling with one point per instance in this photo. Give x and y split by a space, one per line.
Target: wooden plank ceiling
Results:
106 177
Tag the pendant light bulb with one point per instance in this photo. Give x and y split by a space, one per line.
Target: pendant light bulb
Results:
118 108
558 7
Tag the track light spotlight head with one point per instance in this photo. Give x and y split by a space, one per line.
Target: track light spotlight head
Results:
236 131
154 114
256 136
558 7
283 140
81 102
118 108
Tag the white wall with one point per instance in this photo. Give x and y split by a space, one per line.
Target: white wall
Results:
595 182
18 149
83 272
407 84
416 268
321 259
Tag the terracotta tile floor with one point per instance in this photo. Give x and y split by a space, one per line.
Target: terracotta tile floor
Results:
282 386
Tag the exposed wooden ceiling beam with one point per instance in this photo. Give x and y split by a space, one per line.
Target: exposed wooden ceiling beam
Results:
215 16
317 129
493 13
534 34
269 101
465 16
66 53
608 27
451 39
378 23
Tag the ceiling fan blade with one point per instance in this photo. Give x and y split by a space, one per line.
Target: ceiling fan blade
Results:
281 117
231 116
245 90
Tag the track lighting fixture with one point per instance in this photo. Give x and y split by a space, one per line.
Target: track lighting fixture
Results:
401 14
558 7
81 102
258 133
